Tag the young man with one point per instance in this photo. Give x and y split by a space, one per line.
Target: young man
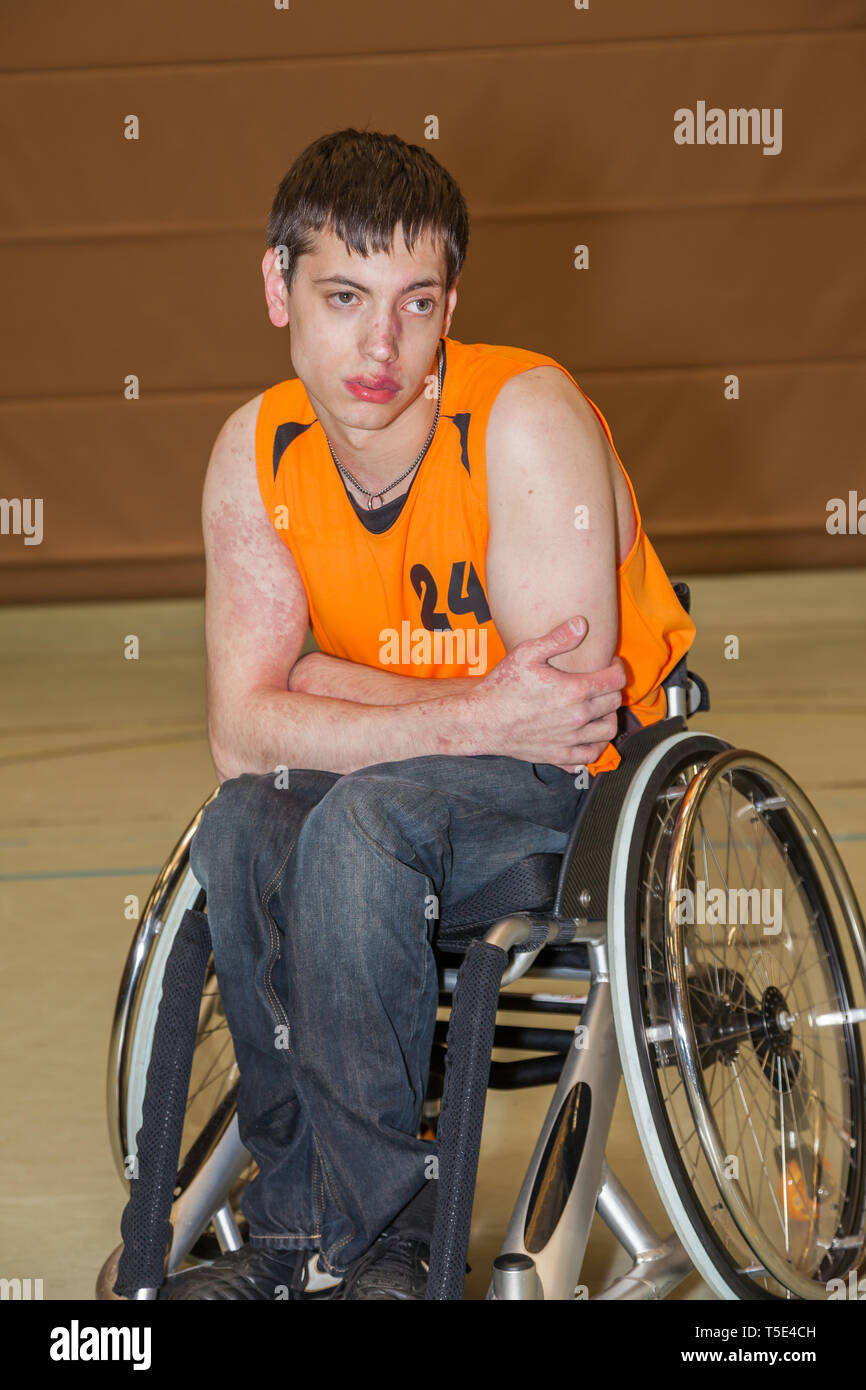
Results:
438 512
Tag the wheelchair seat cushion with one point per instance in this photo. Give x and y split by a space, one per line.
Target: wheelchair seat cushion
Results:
529 885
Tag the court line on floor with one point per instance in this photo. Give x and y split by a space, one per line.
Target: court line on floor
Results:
155 869
81 873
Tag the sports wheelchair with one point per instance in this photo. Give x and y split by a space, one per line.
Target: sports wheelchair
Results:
703 901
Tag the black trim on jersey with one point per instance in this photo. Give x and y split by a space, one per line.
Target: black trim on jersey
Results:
462 423
286 434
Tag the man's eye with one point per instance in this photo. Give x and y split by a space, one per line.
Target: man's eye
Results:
343 295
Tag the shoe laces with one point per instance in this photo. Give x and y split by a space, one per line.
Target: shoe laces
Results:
401 1250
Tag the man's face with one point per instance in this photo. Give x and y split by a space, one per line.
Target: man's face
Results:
356 320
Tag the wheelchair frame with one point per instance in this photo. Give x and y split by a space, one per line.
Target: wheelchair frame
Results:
544 1246
552 1270
658 1266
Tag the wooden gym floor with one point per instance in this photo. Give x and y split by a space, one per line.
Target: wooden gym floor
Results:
104 761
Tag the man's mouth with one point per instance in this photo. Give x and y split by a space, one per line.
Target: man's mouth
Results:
373 389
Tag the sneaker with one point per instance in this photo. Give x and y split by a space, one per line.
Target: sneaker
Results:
395 1266
247 1274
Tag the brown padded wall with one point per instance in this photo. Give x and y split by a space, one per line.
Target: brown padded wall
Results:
143 257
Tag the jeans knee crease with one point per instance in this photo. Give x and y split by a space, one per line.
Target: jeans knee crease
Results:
264 898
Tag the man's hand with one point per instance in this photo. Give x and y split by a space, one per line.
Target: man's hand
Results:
525 708
530 710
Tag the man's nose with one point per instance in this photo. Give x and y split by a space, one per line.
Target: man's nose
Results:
380 341
380 350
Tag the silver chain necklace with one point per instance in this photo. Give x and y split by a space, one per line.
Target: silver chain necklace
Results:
376 497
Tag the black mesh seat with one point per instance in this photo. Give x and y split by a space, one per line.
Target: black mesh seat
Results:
535 884
529 885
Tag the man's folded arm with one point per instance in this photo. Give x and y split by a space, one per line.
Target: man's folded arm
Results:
256 621
319 673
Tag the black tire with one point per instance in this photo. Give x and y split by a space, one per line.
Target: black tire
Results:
678 1019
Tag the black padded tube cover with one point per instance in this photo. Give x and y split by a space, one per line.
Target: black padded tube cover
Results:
146 1221
467 1071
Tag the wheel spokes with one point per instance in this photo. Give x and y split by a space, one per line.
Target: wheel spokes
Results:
759 1005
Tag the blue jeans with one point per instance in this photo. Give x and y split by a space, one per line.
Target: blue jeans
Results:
322 900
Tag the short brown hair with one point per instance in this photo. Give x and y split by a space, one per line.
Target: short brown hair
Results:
360 184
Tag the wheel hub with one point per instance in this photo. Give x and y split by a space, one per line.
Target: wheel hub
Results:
774 1041
725 1015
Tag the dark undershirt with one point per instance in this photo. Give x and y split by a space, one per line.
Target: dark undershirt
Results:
383 517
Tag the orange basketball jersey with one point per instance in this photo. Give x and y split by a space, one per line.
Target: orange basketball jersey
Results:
403 588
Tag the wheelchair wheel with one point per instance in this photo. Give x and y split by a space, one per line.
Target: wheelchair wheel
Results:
211 1102
738 975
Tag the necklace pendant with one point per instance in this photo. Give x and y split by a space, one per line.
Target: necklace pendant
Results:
375 502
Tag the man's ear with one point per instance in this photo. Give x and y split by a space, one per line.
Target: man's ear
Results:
450 305
276 294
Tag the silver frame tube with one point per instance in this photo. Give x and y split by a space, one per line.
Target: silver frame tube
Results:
596 1065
